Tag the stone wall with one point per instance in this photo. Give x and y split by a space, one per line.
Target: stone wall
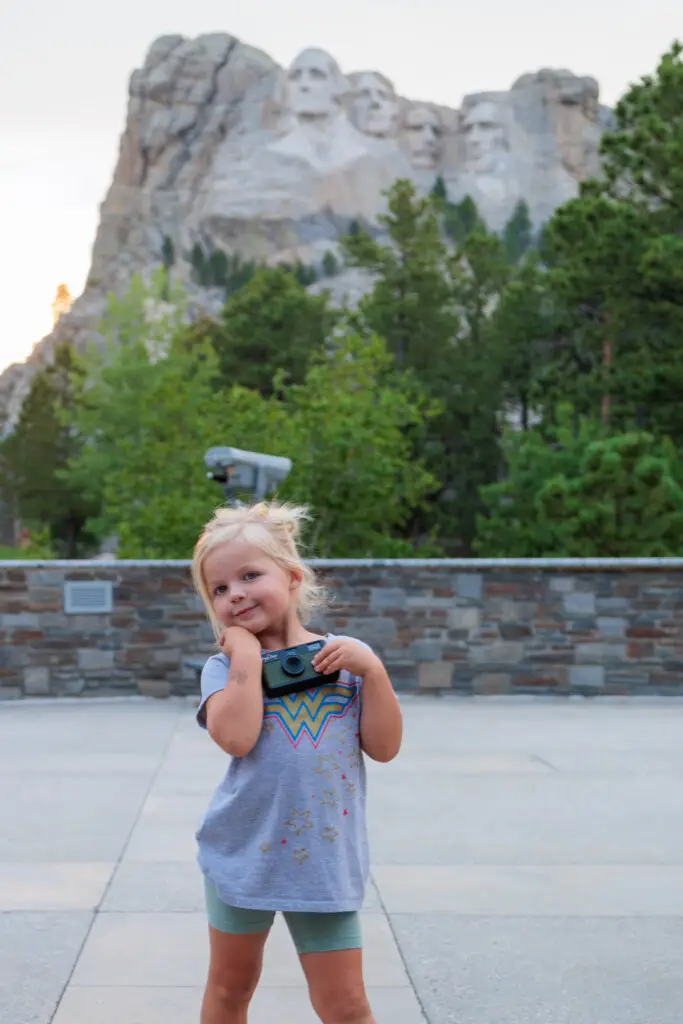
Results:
543 626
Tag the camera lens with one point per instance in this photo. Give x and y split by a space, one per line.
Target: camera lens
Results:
293 664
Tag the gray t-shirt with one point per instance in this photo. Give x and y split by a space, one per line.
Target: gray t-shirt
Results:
286 828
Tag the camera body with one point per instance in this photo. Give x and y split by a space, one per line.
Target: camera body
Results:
291 670
240 471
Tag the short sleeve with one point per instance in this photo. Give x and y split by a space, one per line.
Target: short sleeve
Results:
214 678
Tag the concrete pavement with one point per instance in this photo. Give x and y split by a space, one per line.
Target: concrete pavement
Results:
528 866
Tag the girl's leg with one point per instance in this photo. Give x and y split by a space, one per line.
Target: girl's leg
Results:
236 940
234 971
330 949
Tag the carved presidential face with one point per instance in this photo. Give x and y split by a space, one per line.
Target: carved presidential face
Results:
314 85
423 131
485 139
375 107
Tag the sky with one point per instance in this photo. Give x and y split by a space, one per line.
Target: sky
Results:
64 71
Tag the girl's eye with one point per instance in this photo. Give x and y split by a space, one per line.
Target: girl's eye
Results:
220 589
248 576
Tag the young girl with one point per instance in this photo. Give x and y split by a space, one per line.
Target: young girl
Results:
285 830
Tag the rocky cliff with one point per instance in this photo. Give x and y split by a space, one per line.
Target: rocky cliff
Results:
224 148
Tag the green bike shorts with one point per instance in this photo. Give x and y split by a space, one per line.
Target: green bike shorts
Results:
311 933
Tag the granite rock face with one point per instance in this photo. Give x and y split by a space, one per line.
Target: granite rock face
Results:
225 148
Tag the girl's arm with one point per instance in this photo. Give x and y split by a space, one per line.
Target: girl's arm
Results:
381 721
234 715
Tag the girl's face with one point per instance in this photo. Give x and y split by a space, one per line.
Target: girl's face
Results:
248 588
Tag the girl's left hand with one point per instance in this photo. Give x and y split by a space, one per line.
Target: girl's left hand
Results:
344 653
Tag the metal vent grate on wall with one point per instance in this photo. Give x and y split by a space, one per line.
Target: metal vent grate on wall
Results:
93 597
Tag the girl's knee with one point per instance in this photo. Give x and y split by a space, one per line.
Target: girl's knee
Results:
343 1004
234 968
234 991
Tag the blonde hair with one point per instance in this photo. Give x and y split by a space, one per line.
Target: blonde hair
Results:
272 526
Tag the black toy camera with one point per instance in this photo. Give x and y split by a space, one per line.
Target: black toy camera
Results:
291 670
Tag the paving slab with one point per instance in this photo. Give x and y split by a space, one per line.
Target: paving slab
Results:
37 954
551 971
555 818
172 886
527 854
181 1005
53 886
569 891
176 950
62 818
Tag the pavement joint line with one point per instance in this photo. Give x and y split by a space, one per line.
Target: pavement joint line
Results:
542 760
97 910
404 961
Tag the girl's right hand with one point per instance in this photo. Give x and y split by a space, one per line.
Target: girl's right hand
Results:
238 637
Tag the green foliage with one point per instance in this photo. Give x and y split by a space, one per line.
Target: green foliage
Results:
510 525
616 269
150 420
574 491
152 409
643 155
462 219
350 423
238 274
521 326
271 324
305 275
624 502
430 305
403 403
518 234
330 264
167 253
439 191
218 268
201 272
411 305
33 455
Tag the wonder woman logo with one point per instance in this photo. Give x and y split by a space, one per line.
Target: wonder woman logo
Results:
310 711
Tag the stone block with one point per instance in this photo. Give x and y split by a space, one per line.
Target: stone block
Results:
23 620
499 653
73 686
612 626
92 659
379 630
10 692
562 584
435 675
37 681
14 657
159 688
388 598
470 585
464 619
426 650
548 678
579 602
587 677
47 578
515 630
492 683
612 605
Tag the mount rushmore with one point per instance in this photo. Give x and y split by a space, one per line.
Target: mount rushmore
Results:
225 148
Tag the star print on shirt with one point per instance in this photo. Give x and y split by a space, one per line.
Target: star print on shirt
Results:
327 765
299 821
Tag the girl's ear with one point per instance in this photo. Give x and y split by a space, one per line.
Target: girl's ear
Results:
296 578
